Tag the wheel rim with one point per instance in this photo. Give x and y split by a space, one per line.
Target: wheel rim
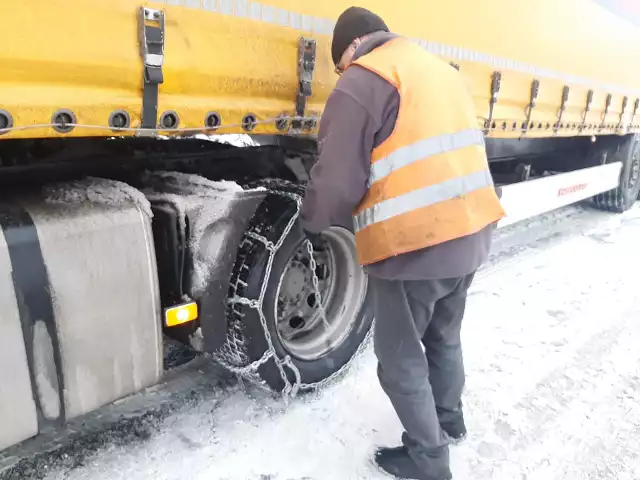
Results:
343 286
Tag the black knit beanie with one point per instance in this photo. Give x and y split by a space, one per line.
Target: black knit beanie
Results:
354 22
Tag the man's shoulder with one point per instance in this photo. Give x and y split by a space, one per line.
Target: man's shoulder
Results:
365 87
357 77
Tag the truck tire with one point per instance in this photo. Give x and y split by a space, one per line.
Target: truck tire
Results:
621 199
292 318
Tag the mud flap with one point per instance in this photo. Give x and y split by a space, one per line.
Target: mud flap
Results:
219 244
214 217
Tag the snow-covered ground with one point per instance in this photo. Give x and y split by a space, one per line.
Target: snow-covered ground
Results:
551 344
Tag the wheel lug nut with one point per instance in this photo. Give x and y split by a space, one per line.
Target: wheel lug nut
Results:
296 322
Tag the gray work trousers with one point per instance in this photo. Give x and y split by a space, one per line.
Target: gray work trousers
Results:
420 367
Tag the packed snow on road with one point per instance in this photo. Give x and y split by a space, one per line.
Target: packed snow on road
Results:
551 341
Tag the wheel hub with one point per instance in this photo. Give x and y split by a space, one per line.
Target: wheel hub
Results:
342 285
296 280
297 304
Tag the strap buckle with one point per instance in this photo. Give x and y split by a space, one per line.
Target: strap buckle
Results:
306 69
151 31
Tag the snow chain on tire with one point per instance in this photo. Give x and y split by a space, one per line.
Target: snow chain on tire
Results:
237 362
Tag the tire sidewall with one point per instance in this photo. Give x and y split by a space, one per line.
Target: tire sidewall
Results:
630 195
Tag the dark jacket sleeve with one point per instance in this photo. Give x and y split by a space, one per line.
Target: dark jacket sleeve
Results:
338 180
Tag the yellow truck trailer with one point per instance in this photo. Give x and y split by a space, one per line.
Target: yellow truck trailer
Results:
122 220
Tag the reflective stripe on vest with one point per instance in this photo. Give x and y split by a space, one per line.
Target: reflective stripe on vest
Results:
422 149
424 197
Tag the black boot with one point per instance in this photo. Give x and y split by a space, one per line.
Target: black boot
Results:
455 432
452 424
398 463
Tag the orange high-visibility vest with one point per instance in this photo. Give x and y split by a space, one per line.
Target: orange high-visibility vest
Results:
430 180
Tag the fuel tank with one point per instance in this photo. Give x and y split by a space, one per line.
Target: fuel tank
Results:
80 310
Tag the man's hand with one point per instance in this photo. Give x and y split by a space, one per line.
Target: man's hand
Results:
317 242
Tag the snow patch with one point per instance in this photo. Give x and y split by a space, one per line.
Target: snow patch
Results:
230 139
97 191
236 140
191 184
45 373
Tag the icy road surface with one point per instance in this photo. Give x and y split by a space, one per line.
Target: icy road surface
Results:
552 351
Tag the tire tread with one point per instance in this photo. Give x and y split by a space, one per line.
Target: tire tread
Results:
235 349
614 200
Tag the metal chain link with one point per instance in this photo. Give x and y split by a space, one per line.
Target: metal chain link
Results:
289 390
316 285
250 371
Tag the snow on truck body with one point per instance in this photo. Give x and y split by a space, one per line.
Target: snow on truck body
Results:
127 212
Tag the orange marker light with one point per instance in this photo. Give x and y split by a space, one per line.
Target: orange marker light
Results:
181 314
